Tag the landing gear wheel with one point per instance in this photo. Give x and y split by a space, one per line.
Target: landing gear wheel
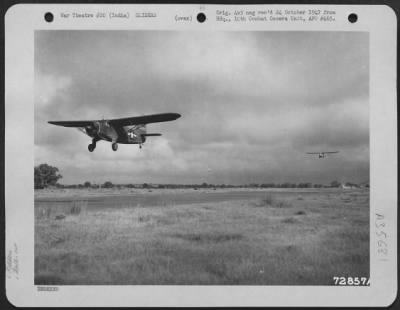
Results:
91 147
140 146
114 146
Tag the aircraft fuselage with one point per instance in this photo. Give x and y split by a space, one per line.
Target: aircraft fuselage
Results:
102 130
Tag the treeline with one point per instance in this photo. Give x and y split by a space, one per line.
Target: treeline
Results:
109 184
48 176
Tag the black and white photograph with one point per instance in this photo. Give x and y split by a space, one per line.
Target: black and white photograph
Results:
205 158
200 155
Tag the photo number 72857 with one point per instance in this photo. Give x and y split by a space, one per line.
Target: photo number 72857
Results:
351 281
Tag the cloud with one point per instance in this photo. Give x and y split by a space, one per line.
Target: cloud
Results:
49 87
251 103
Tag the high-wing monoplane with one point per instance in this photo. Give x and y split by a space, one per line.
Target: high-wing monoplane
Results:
130 130
323 154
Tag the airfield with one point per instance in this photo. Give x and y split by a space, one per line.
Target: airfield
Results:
200 237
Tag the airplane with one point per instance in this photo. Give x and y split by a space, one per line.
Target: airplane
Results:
323 154
130 130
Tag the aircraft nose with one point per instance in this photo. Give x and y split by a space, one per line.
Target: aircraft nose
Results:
96 126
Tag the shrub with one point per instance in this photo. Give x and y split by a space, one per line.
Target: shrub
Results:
290 220
272 200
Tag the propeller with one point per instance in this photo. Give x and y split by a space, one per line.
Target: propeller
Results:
97 126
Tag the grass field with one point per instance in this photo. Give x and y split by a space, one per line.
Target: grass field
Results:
188 237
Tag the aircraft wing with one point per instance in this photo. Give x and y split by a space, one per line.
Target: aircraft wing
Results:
120 122
312 153
145 119
73 123
330 152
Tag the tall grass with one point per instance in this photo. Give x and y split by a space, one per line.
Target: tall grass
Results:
74 208
78 207
288 242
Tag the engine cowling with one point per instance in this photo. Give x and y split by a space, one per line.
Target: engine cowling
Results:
101 128
91 130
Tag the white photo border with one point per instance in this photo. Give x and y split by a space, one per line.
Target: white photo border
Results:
22 20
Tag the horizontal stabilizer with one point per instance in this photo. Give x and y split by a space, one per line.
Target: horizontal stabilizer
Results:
151 134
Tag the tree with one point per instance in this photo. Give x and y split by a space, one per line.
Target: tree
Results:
349 184
108 184
46 175
335 184
304 185
87 184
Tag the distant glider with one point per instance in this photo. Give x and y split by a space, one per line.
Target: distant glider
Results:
323 154
130 130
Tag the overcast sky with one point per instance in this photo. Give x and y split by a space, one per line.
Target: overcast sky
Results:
252 104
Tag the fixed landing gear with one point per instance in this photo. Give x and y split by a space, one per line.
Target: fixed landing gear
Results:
92 146
140 146
114 146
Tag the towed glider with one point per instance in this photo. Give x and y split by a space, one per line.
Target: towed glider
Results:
323 154
130 130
